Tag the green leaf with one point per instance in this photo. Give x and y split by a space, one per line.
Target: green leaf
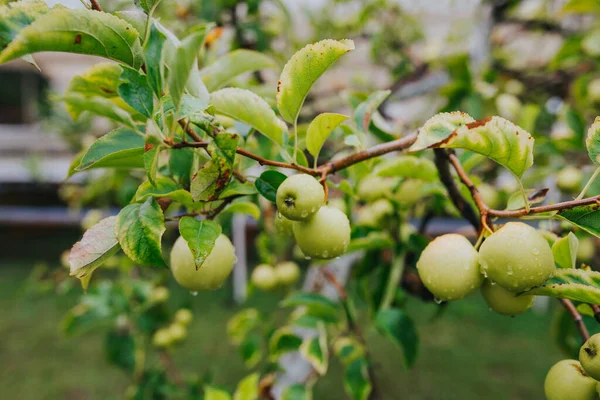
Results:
97 245
316 351
315 303
373 241
136 92
268 182
241 324
396 325
233 64
565 251
439 128
121 148
584 217
75 163
151 153
574 284
297 392
200 237
137 18
153 53
408 167
149 5
14 17
214 176
348 349
181 162
213 393
251 350
581 6
319 130
102 79
302 71
119 348
366 109
356 380
78 31
139 228
78 103
494 137
283 341
592 142
534 196
249 108
243 207
180 59
247 389
163 187
237 188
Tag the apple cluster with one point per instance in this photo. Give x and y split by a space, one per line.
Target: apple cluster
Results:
576 380
266 277
320 231
512 260
176 332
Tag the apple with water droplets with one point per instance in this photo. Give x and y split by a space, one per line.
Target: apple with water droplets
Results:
504 301
324 235
299 197
263 277
567 380
589 356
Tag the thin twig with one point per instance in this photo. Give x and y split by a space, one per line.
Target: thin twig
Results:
95 5
596 310
577 318
171 369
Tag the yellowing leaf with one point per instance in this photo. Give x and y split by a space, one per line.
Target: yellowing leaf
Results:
233 64
592 142
319 130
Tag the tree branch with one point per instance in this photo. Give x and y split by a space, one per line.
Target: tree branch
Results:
95 5
577 318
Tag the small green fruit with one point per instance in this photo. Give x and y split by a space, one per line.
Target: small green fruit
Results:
567 380
586 249
325 235
504 301
589 356
299 197
213 272
159 294
283 226
594 90
184 316
287 273
449 267
490 195
375 214
569 179
517 257
374 187
177 332
508 106
338 203
162 338
264 278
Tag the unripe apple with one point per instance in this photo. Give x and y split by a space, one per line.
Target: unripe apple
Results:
299 197
490 195
184 316
567 380
374 187
374 214
504 301
517 257
594 90
589 356
162 338
449 267
264 278
508 106
213 272
283 226
586 249
287 273
569 179
177 332
325 235
159 294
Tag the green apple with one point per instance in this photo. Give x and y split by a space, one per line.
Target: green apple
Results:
569 179
594 90
374 214
325 235
517 257
490 195
287 273
589 356
508 106
159 294
374 187
338 203
184 316
264 278
213 272
567 380
449 267
283 226
586 249
162 338
504 301
177 332
299 197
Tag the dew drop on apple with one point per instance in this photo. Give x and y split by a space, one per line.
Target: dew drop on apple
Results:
325 254
194 293
304 214
535 251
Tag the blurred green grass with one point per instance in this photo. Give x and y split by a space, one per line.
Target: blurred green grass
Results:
467 353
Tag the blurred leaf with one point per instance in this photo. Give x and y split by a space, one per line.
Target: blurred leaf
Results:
247 107
366 109
316 352
396 325
356 380
242 323
348 349
283 341
373 241
120 350
78 103
251 350
139 228
233 64
243 207
319 130
584 217
121 148
268 182
302 70
247 389
581 6
534 196
97 245
181 162
574 284
136 92
592 141
14 17
213 393
81 31
408 167
200 237
297 392
102 79
316 304
565 251
149 5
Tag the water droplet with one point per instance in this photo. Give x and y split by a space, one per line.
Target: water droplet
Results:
337 258
279 215
312 210
509 270
438 301
325 254
307 257
493 283
535 251
194 293
304 214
